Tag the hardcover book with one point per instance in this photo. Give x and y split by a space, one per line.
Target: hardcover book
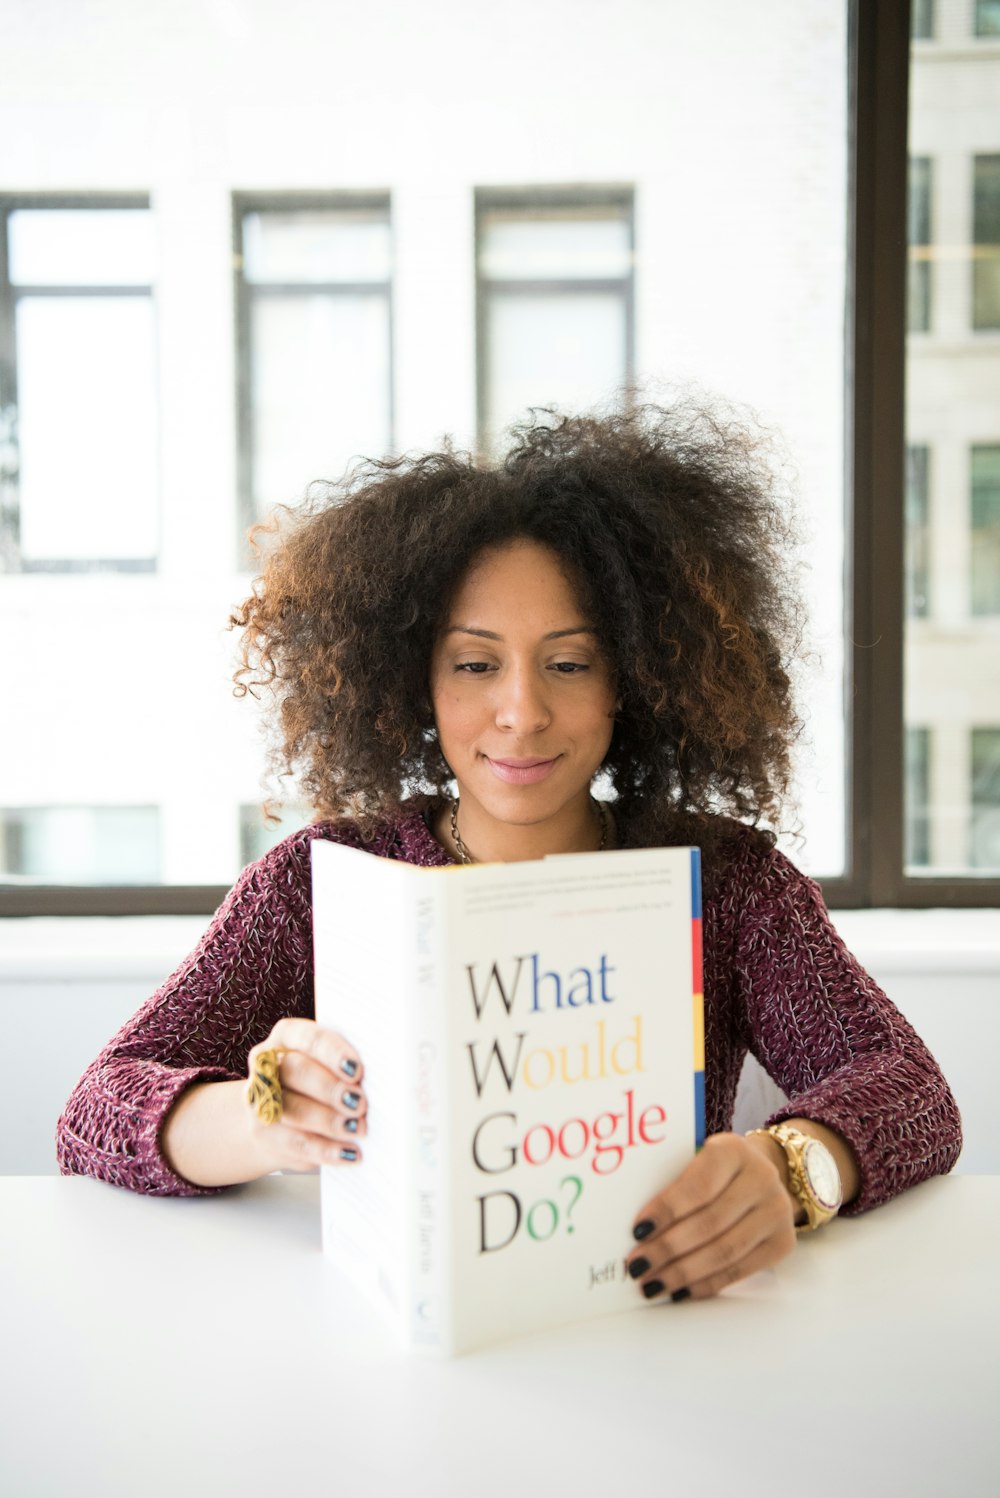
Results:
533 1045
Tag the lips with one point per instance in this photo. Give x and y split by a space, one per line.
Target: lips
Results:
522 771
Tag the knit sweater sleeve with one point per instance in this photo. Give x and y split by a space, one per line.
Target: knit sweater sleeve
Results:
832 1040
252 966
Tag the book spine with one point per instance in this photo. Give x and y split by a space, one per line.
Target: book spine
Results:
430 1314
697 1001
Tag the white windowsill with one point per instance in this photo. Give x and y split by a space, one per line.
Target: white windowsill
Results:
44 948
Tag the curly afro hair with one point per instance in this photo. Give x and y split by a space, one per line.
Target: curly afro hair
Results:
671 526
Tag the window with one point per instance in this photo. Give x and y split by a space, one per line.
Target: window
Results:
987 17
258 835
314 334
986 242
922 20
917 576
78 425
80 844
679 247
918 285
985 830
985 554
917 852
555 302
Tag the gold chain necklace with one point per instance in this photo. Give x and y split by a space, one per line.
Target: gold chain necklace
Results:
464 856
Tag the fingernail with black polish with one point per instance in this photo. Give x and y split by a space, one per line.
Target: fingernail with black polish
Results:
347 1154
349 1068
351 1125
643 1229
637 1267
655 1287
351 1099
682 1294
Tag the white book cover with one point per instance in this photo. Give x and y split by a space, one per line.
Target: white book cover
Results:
534 1058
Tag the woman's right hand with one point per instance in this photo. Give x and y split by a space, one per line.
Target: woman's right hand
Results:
324 1107
213 1137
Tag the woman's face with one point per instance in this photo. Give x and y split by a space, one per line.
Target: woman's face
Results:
523 699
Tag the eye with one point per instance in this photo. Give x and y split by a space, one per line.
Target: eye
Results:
569 668
473 668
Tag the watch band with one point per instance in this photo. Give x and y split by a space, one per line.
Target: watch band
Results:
814 1182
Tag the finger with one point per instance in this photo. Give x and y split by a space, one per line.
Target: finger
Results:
693 1232
300 1150
302 1074
755 1185
768 1253
702 1180
306 1115
325 1046
755 1242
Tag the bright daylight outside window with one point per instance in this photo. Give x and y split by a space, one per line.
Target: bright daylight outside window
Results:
280 303
953 434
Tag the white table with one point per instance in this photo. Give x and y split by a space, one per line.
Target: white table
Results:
188 1347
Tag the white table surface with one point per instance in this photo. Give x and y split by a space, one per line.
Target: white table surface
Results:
205 1346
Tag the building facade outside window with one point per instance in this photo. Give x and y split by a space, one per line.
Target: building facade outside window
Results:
952 483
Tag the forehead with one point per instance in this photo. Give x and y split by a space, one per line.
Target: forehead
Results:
517 576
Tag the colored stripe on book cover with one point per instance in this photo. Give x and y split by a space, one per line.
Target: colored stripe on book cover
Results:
698 1030
697 982
697 1001
699 1109
698 1026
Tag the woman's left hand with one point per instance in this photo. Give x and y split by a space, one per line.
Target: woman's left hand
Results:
726 1215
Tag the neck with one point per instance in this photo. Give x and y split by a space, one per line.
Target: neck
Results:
580 828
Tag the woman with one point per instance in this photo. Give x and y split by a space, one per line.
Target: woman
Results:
610 600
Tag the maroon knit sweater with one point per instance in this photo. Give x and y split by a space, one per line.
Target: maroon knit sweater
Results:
778 981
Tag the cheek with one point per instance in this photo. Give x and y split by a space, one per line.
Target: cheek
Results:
453 715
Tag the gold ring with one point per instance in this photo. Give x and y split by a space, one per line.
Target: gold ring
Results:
264 1086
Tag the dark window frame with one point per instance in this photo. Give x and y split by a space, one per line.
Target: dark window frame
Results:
875 366
244 293
10 295
522 200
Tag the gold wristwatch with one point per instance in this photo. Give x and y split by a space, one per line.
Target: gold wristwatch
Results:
813 1176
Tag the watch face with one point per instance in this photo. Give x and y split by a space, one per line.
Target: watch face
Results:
822 1174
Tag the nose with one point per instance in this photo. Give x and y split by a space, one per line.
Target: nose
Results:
522 702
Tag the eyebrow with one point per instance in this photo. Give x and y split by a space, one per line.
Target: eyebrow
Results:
489 634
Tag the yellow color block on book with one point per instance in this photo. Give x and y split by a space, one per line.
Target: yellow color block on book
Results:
698 1014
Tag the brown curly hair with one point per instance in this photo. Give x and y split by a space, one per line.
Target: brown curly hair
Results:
670 523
